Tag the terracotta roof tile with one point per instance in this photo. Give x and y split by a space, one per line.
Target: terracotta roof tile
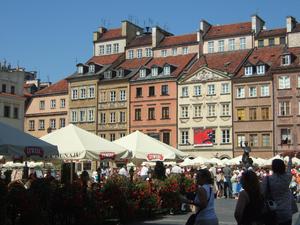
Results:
178 40
105 59
295 63
11 95
142 40
111 34
59 87
134 63
228 30
272 33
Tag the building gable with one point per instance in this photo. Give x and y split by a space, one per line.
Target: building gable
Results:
205 74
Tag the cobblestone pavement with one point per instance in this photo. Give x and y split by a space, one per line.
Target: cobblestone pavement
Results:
224 208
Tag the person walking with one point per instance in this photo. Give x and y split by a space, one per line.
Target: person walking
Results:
227 181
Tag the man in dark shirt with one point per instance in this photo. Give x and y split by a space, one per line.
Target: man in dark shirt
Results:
227 182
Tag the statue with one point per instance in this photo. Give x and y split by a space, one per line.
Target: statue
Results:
246 160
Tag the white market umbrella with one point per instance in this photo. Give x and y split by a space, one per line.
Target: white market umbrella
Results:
16 143
295 160
199 161
258 161
269 161
215 161
75 143
186 162
144 147
235 161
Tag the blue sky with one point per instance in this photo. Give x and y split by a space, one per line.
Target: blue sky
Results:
50 35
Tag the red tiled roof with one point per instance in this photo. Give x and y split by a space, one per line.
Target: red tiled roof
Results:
105 59
134 63
142 40
178 40
58 87
228 30
272 33
111 34
11 95
295 52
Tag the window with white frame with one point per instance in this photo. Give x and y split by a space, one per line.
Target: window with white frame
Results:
103 136
80 69
211 89
225 109
148 52
284 108
102 118
101 49
163 53
243 43
116 48
248 70
253 140
143 72
102 96
211 108
185 91
225 88
167 70
53 123
92 68
91 92
52 103
241 140
184 111
197 111
285 136
140 53
31 125
62 103
74 117
122 117
226 136
112 137
42 105
240 92
284 82
260 69
231 44
112 96
74 93
112 117
185 137
62 122
122 135
197 90
265 90
41 124
108 49
82 115
154 71
122 95
210 47
252 92
185 50
286 60
90 115
266 140
83 93
130 54
174 51
221 46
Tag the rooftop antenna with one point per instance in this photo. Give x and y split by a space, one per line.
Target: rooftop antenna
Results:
150 22
76 61
48 79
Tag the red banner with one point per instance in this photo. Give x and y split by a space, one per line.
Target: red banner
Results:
31 150
107 155
154 157
203 137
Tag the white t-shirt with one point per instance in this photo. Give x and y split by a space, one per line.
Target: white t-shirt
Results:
176 169
144 171
123 172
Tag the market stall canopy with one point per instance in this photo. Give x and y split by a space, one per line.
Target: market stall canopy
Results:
199 161
17 144
75 143
144 147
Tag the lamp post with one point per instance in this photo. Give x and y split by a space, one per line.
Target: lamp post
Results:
246 160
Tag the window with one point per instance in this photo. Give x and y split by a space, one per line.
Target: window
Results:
130 54
174 51
213 136
197 90
91 92
185 50
103 136
122 135
264 91
221 46
225 109
122 95
107 74
74 94
142 72
211 110
91 68
167 70
120 73
31 125
82 115
241 114
185 92
74 116
102 96
282 40
211 89
151 113
122 117
165 113
90 115
284 82
225 88
139 92
210 47
148 52
231 44
7 111
197 111
253 140
62 103
112 137
271 41
138 114
154 71
286 60
53 124
42 105
112 117
184 112
260 69
163 53
284 108
266 140
80 69
226 136
152 91
241 140
240 92
166 138
252 114
62 122
242 43
12 90
41 124
108 49
102 118
265 113
4 88
53 104
248 70
139 53
285 135
82 93
112 96
184 137
252 92
260 43
116 48
16 113
101 50
164 90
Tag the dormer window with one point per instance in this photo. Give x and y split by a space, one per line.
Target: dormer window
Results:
80 69
154 71
286 60
167 70
248 70
260 69
120 73
91 68
107 74
143 72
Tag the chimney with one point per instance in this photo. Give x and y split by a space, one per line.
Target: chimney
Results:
257 24
290 23
158 35
130 30
102 30
204 26
98 34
